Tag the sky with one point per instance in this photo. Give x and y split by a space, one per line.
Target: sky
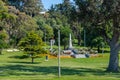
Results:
47 3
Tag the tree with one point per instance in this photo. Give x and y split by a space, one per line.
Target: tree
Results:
3 10
65 31
23 25
3 13
66 8
32 45
97 42
30 7
17 24
93 38
6 19
49 31
44 25
68 13
3 42
105 16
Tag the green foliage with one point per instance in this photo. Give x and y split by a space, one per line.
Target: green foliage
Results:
103 16
16 23
65 31
65 14
30 7
3 10
49 31
45 26
21 26
32 45
98 41
3 38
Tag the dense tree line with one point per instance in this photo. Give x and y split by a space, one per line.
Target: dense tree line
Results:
62 16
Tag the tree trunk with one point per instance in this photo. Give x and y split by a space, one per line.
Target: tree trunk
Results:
114 48
98 49
79 40
114 59
0 51
32 59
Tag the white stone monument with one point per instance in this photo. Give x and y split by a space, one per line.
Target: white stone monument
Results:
70 42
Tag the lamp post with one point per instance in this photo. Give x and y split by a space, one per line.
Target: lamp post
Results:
103 48
45 37
46 59
59 70
84 37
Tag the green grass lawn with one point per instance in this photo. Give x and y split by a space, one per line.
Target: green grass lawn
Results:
14 68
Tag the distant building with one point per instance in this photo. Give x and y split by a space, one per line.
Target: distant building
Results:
43 12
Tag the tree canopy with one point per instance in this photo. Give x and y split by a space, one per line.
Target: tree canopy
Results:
104 16
32 45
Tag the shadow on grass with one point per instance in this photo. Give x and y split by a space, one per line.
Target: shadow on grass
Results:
26 62
20 70
105 51
19 57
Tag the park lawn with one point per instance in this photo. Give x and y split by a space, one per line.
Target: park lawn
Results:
14 68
